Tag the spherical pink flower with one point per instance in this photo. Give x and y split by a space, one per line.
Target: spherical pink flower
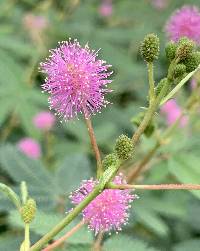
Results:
160 4
29 147
44 120
185 22
33 22
76 80
109 210
106 8
172 112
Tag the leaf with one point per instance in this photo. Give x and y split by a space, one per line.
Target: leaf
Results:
44 222
178 86
38 179
10 242
122 242
72 171
186 169
11 195
192 245
150 219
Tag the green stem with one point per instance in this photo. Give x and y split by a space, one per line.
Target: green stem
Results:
149 114
156 187
27 238
106 177
151 82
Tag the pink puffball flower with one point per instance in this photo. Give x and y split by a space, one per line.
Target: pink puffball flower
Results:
106 8
30 148
33 22
44 120
172 112
185 22
76 80
109 210
160 4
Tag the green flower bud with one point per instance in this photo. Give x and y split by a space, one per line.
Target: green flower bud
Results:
136 120
109 160
179 70
170 50
124 147
149 48
192 62
160 85
185 48
28 211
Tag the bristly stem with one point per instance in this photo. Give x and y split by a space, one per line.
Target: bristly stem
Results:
157 187
58 242
94 146
97 243
149 114
27 238
151 82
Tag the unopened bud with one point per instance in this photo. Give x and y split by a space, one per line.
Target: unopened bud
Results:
179 70
28 211
149 48
124 147
192 62
109 160
185 48
170 50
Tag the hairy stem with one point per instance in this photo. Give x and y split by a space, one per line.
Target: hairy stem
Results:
138 169
97 243
58 242
94 146
27 238
151 82
149 114
157 187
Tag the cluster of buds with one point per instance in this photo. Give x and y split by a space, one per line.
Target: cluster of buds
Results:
185 55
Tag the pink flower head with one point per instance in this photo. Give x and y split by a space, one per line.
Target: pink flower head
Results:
160 4
107 211
32 22
106 8
172 112
29 147
76 80
185 22
44 120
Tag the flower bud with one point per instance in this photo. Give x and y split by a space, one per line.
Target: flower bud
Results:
109 160
185 48
160 85
28 211
170 50
192 62
179 70
124 147
149 48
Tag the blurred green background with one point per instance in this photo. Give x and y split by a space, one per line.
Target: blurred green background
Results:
165 221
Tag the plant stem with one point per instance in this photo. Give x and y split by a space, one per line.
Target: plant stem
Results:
138 169
149 114
94 146
157 187
58 242
27 238
46 238
97 244
151 82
